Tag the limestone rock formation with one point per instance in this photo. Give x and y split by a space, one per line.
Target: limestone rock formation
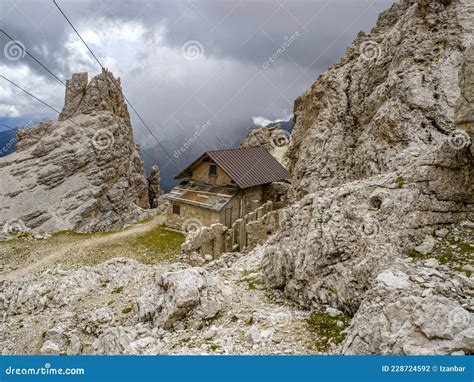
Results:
83 172
273 138
405 84
176 294
413 318
381 155
154 189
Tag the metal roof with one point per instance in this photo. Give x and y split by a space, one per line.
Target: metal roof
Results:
206 196
247 167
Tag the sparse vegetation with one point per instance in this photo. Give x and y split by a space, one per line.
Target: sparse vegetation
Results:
400 182
127 309
118 289
452 251
254 284
327 330
148 242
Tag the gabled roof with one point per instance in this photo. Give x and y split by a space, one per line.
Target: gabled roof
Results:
247 167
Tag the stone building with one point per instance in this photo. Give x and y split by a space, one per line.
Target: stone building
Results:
221 187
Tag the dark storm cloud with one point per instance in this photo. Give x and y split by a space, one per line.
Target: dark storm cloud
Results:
142 41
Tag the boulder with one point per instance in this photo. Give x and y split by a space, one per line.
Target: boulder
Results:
413 318
178 294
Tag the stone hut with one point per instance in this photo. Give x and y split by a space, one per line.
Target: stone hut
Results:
221 187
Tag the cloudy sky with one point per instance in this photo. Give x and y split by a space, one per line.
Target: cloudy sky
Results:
183 64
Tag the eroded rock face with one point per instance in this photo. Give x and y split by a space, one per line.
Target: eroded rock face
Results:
154 189
399 86
381 157
83 172
414 310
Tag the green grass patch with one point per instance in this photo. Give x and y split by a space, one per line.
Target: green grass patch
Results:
250 271
400 182
118 289
326 330
254 284
158 239
451 252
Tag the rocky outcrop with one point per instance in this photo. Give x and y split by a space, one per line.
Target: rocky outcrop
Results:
422 304
403 314
381 158
83 172
398 87
154 190
176 294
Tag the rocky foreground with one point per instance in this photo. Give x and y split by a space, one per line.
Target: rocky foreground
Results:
125 307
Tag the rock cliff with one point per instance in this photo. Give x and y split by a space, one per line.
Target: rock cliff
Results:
382 157
83 172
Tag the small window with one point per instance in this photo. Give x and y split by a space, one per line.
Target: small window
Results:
213 169
176 209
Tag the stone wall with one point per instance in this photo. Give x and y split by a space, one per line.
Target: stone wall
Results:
209 243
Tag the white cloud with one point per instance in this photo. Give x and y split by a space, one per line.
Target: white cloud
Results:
262 121
15 103
9 111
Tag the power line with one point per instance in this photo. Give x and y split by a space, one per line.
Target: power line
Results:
52 108
8 127
38 99
54 75
113 81
33 57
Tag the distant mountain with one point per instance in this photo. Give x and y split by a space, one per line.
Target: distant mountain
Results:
7 142
8 127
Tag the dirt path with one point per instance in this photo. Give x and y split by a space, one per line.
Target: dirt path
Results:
61 249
